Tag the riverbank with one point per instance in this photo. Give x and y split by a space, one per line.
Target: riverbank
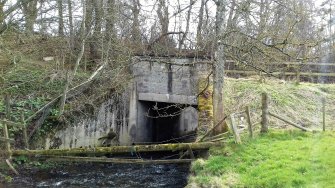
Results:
287 158
277 159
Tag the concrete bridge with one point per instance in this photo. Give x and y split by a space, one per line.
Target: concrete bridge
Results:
159 105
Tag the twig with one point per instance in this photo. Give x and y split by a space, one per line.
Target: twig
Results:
11 167
52 102
163 35
208 132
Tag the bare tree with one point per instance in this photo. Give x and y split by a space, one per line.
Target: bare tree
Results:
182 40
89 15
199 37
2 16
98 15
71 29
29 10
96 38
60 18
163 16
135 29
110 16
264 15
218 68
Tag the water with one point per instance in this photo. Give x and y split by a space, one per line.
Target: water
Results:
104 175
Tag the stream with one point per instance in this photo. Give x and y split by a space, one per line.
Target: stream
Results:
104 175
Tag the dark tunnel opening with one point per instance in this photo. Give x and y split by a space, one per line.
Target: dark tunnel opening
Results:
167 122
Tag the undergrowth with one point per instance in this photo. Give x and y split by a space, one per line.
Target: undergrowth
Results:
32 83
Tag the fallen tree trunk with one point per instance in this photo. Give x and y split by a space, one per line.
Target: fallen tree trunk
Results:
289 122
10 123
40 121
118 149
3 139
115 160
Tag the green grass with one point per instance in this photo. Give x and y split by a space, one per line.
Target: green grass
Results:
278 159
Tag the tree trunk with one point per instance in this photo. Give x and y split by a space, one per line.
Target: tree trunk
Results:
60 18
200 23
110 18
29 10
218 67
69 4
99 151
163 16
82 48
2 17
232 15
30 21
97 6
89 15
2 14
181 42
95 52
110 34
136 32
263 11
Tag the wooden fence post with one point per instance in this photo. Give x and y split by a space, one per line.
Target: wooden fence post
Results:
265 112
247 111
5 128
234 129
324 114
298 73
24 131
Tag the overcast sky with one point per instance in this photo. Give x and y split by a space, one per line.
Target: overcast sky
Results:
176 23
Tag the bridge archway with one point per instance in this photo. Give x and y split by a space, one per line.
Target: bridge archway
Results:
160 122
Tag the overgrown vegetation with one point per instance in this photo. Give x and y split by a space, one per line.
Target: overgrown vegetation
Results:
278 159
301 103
283 158
32 82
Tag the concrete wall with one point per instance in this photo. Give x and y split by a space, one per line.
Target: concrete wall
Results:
112 114
171 81
188 121
168 80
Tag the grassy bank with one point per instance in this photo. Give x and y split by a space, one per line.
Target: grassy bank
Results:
285 157
277 159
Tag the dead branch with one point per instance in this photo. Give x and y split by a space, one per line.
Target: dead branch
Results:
11 167
163 35
52 102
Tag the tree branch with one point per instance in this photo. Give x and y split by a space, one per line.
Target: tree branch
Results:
163 35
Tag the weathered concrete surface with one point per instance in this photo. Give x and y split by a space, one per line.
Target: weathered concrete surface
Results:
168 76
171 81
188 121
163 81
112 114
168 98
